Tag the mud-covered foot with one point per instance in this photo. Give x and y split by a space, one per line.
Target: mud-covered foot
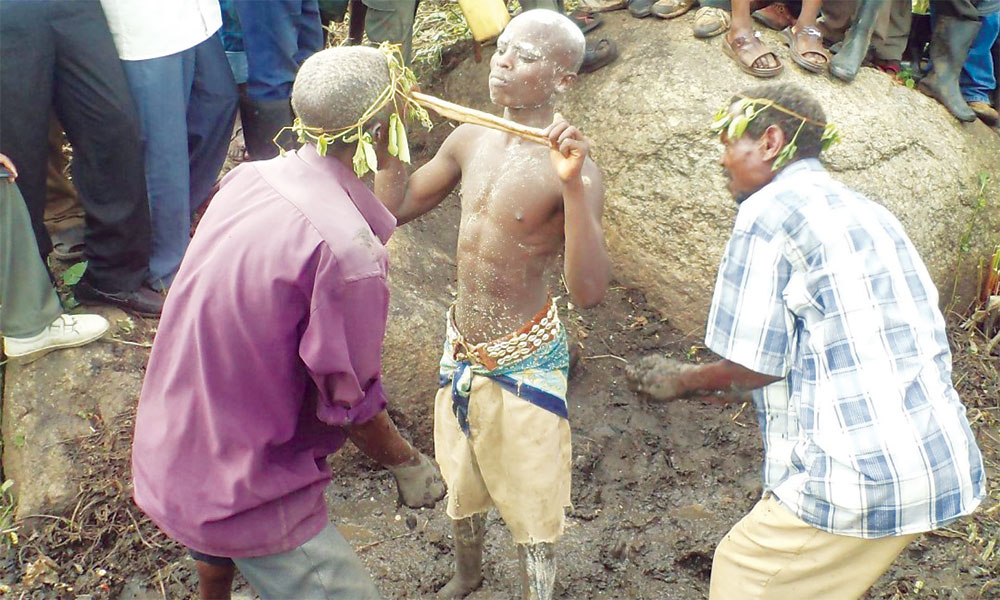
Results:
658 377
460 587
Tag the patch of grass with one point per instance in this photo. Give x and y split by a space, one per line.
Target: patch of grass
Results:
438 26
8 530
907 77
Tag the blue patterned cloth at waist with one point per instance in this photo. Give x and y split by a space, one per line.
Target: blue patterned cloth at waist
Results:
540 377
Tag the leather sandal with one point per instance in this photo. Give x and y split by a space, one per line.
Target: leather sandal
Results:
586 21
796 41
746 50
598 55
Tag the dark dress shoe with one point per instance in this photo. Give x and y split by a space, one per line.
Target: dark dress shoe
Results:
143 301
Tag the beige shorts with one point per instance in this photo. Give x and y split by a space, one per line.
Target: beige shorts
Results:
771 554
517 458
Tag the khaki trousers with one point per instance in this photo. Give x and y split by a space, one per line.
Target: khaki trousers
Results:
518 458
771 554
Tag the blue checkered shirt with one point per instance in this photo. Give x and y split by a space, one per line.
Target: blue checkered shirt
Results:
864 435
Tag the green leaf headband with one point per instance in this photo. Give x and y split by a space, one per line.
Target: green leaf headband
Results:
734 123
401 82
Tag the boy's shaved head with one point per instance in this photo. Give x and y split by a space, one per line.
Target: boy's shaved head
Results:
334 87
562 38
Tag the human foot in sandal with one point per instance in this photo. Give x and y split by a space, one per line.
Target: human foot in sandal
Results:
751 54
806 45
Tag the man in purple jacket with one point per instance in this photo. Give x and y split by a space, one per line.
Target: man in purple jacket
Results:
268 359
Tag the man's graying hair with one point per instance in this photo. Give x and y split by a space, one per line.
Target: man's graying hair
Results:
334 87
794 99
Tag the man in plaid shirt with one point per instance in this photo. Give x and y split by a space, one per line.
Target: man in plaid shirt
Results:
824 309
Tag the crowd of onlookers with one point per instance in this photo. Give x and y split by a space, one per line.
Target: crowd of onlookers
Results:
947 47
147 94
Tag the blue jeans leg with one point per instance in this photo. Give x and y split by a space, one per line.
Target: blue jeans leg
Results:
161 88
978 79
277 35
211 112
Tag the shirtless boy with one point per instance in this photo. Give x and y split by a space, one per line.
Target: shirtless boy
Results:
500 431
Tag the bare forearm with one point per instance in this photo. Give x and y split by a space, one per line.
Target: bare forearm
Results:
587 265
380 440
723 375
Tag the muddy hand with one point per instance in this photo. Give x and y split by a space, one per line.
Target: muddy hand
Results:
419 484
658 377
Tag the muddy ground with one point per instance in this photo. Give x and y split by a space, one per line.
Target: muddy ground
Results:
654 488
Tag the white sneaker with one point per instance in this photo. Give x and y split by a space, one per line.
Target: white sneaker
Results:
67 331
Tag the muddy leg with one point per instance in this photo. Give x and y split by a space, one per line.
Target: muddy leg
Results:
215 582
469 536
538 570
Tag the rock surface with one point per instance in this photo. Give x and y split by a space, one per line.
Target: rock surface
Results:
668 213
422 275
53 401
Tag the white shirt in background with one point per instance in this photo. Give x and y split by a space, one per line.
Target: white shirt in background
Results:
144 29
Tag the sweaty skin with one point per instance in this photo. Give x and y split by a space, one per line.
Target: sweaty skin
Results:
522 203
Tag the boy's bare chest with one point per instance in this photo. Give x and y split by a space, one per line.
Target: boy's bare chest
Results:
511 188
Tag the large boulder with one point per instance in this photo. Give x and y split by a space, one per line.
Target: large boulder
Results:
421 277
51 404
668 212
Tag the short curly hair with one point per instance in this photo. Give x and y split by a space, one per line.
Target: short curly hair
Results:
795 99
334 87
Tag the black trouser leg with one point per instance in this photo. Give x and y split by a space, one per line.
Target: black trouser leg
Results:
27 55
93 103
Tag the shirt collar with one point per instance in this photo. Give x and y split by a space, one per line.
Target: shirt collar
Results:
371 208
806 165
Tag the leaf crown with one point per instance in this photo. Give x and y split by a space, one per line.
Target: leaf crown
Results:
734 119
401 82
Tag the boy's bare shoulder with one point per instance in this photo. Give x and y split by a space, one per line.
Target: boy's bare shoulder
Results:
466 132
465 137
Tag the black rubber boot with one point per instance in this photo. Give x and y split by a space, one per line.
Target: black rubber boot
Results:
262 120
951 42
852 53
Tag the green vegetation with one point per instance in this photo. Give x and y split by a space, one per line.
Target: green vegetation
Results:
8 530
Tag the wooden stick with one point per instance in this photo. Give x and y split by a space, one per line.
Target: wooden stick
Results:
457 112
